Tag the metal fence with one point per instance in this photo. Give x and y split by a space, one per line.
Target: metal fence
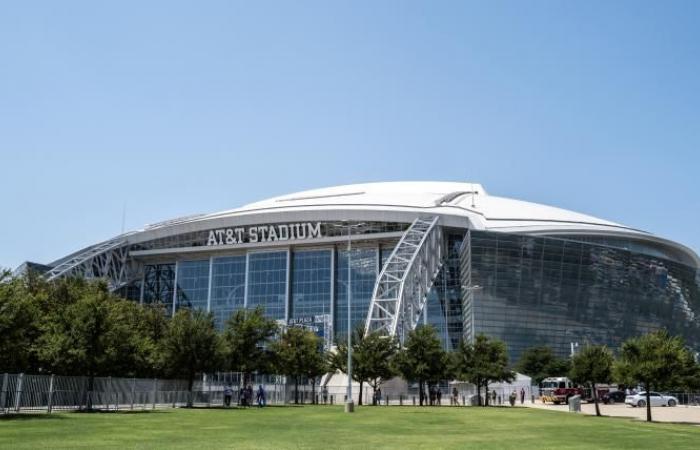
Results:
48 393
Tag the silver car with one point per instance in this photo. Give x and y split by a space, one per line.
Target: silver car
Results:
655 398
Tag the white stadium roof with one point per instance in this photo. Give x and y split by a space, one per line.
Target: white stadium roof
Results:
458 205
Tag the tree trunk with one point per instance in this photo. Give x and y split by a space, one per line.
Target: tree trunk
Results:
478 392
647 387
420 392
296 390
359 397
313 391
595 399
190 384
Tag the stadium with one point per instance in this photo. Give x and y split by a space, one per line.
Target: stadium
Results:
441 253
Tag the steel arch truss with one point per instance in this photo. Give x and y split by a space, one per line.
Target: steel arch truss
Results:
400 292
107 260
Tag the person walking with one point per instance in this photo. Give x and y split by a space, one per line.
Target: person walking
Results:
241 396
493 397
513 396
228 393
379 396
455 396
249 395
325 395
522 395
438 395
261 397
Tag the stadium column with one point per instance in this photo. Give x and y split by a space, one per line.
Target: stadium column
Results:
287 306
211 275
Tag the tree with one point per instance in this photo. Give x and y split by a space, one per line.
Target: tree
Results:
590 366
372 359
655 361
299 353
246 338
422 359
191 345
540 363
19 324
482 362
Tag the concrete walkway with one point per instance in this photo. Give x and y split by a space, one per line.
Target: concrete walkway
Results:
677 414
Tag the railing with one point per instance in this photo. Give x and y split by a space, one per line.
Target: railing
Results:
48 393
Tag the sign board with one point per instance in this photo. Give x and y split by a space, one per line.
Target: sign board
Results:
265 233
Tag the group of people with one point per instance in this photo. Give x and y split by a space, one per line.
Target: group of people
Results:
245 396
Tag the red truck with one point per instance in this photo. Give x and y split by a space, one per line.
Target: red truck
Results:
558 390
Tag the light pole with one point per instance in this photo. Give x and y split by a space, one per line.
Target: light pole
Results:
349 404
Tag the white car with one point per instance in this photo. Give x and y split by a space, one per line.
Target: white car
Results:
656 399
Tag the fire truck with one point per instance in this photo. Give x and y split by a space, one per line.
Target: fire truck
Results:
558 390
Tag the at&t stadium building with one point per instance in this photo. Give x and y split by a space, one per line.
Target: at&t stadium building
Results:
440 253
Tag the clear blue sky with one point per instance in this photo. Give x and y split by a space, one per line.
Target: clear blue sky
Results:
177 108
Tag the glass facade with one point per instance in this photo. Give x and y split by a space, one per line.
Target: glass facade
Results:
525 290
227 287
443 309
267 283
548 291
311 283
363 268
159 285
192 284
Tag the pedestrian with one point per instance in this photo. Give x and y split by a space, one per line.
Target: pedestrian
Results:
325 395
432 395
513 396
228 393
455 396
493 397
379 396
261 397
500 402
522 395
438 395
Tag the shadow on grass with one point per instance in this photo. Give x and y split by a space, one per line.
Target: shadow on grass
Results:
29 416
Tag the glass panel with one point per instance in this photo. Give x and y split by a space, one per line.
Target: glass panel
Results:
267 282
192 284
311 283
364 274
228 287
158 285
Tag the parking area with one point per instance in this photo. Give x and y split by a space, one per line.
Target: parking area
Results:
678 414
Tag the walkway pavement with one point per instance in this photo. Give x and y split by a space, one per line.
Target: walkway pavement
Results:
678 414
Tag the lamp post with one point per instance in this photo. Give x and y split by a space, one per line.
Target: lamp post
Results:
349 404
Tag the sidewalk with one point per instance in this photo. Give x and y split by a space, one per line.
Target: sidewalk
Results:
677 414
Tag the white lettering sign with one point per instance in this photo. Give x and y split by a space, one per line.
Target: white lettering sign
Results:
265 233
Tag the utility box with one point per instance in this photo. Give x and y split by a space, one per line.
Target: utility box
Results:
575 403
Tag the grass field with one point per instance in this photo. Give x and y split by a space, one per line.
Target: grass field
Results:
329 427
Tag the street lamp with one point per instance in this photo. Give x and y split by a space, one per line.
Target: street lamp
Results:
349 404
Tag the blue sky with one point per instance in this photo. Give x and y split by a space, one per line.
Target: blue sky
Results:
174 108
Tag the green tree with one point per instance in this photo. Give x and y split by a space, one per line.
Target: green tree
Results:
247 337
299 353
74 339
372 359
540 362
655 361
592 365
191 345
482 362
19 324
422 359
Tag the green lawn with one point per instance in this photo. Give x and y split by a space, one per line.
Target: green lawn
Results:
329 427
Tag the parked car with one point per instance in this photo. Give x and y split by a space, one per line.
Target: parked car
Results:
656 399
613 397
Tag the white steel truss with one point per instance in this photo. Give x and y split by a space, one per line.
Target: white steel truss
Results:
107 260
401 290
